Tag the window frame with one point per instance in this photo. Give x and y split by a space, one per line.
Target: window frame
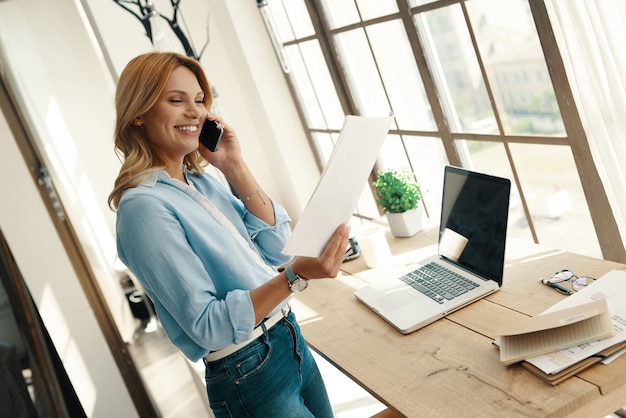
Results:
575 139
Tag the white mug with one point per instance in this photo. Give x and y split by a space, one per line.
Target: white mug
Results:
374 246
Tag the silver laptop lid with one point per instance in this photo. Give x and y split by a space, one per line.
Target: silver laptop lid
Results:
474 216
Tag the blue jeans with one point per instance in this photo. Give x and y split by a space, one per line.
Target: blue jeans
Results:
273 376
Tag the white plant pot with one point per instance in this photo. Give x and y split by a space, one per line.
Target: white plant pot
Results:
405 224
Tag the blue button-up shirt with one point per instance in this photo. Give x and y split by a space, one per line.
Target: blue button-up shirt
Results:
194 266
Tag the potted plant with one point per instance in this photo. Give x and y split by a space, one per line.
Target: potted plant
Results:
399 195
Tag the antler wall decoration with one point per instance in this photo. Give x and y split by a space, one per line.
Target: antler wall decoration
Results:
149 17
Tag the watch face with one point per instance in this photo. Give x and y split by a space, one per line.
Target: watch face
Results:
299 285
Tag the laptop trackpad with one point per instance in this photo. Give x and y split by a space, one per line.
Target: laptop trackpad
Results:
394 301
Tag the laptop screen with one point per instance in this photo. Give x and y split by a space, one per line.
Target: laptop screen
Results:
474 212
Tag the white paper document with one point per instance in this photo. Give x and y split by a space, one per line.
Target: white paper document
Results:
612 287
556 330
337 193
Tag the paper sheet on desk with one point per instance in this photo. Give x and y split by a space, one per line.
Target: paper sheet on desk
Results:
335 197
612 287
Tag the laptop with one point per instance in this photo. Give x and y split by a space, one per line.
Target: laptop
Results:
472 238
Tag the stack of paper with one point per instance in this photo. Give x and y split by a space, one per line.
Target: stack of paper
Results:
558 365
554 331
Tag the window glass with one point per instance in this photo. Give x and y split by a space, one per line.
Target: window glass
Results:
299 19
362 73
426 158
314 86
340 12
517 71
414 3
392 154
282 24
555 197
371 9
552 191
304 88
325 143
366 206
456 71
490 158
400 76
497 54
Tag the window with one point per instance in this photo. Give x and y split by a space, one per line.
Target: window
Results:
468 85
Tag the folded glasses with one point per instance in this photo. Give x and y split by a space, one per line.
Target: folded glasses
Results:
576 282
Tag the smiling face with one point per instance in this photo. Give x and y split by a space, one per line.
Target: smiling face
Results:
173 123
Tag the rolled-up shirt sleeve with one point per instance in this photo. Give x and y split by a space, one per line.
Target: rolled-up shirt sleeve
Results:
270 239
197 274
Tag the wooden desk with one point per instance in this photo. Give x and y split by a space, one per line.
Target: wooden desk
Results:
450 368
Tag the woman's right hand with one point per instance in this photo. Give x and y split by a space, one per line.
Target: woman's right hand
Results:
267 296
328 263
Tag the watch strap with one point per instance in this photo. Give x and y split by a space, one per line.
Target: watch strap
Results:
291 276
295 282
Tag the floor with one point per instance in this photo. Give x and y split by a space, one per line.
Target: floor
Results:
177 389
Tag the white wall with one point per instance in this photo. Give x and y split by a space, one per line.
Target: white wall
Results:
54 286
55 65
66 96
253 95
58 99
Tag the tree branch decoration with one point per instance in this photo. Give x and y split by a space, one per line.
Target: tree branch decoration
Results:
145 9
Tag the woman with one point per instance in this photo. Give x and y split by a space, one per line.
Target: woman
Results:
204 256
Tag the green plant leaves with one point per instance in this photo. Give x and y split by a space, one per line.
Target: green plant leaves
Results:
397 191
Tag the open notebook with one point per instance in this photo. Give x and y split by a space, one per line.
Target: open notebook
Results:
470 260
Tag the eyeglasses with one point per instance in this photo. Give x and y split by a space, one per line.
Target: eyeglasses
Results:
576 282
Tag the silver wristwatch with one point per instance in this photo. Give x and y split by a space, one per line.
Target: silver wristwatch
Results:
295 282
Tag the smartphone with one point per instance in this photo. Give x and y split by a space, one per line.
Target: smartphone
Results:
210 135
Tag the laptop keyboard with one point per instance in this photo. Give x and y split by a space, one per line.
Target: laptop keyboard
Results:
437 282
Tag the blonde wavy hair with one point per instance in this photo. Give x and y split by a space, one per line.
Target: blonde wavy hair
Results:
138 89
